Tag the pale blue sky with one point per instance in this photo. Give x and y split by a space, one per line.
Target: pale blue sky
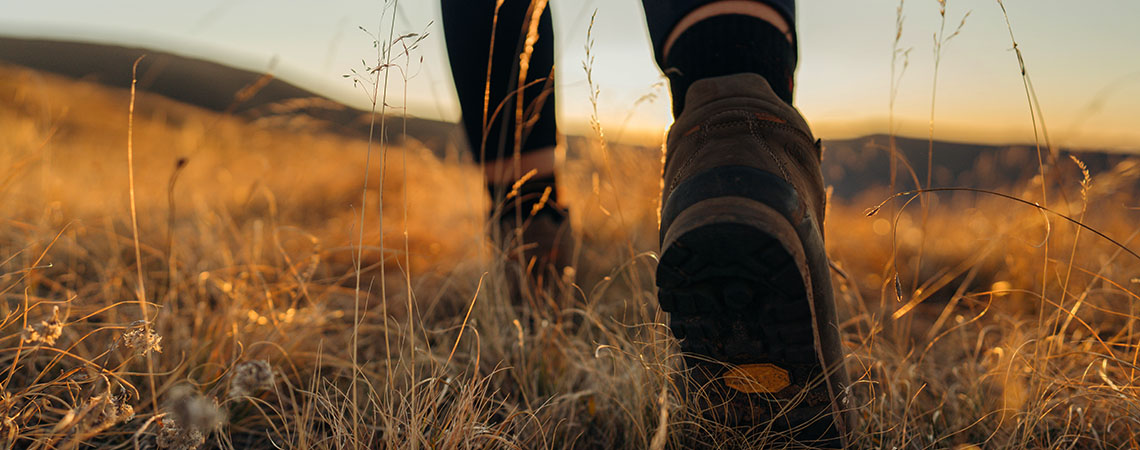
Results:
1084 58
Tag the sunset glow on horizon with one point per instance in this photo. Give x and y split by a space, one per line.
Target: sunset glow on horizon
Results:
1081 61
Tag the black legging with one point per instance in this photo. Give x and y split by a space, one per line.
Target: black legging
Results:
467 28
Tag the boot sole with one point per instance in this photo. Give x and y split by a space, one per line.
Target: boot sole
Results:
736 279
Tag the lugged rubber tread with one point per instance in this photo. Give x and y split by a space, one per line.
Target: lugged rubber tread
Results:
707 280
735 295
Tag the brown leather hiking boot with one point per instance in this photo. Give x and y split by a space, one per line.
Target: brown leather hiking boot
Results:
743 271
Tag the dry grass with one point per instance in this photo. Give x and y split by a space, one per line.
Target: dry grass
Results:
247 235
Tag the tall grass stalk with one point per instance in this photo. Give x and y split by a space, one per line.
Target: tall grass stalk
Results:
940 40
897 72
377 95
140 290
600 135
1035 118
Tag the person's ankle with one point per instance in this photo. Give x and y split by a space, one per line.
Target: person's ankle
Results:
726 44
507 171
522 184
753 8
527 196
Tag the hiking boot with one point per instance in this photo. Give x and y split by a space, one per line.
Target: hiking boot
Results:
743 270
545 242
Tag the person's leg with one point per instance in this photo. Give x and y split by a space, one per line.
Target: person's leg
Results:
486 80
713 38
743 271
484 48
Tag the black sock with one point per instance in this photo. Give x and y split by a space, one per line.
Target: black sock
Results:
530 193
728 44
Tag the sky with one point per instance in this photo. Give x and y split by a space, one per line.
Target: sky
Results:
1083 59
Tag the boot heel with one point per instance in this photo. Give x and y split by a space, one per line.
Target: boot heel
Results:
736 280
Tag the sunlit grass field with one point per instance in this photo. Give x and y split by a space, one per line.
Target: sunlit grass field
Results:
277 301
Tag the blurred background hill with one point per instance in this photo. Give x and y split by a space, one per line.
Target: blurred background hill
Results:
851 166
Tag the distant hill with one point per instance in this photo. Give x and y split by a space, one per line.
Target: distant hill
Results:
854 165
850 165
202 83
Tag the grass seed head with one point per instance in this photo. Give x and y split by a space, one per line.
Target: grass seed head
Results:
46 332
142 340
102 412
193 411
173 437
251 377
8 429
